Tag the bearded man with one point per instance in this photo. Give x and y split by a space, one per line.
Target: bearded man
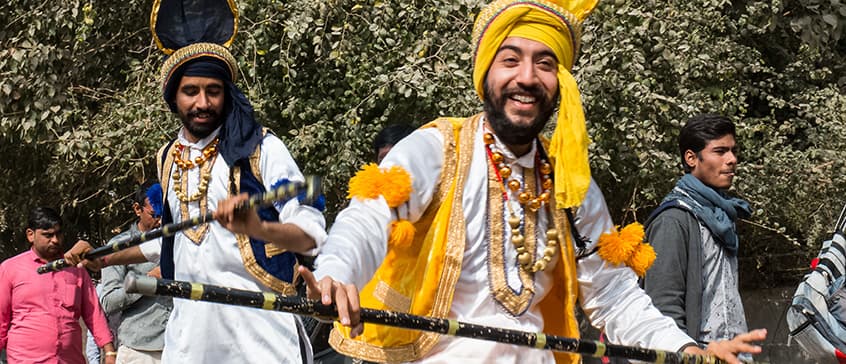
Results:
222 151
479 219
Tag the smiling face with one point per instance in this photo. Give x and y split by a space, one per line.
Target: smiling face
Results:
715 164
199 103
520 88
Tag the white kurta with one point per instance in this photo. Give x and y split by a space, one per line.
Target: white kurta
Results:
201 332
609 294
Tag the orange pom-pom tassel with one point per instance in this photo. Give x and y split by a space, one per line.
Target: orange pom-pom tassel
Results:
626 246
394 184
642 259
365 184
614 249
633 233
402 234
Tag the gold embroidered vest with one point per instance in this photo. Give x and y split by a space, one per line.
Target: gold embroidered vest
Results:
420 279
165 163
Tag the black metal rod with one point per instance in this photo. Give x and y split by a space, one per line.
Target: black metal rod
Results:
301 306
310 189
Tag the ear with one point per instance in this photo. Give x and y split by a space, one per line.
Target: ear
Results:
137 208
30 235
690 159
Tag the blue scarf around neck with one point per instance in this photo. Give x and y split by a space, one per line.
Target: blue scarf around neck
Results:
717 211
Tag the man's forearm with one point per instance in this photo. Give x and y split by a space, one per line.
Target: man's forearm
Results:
113 298
131 255
285 236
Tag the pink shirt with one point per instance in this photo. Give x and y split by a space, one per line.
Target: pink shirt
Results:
39 313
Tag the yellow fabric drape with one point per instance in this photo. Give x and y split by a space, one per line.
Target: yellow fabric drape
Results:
420 278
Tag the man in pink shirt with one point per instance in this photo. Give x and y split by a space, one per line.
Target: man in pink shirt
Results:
39 313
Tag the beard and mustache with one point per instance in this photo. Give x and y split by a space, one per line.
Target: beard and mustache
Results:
201 130
506 129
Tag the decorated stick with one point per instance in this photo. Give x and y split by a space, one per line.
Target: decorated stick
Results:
310 190
300 306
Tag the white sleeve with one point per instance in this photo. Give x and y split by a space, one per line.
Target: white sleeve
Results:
152 250
610 294
357 242
277 164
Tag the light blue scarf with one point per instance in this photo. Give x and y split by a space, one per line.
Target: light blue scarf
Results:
714 209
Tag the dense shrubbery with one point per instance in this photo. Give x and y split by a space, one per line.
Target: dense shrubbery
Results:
80 111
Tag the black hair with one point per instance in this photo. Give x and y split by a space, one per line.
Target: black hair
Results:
141 193
43 218
391 135
700 130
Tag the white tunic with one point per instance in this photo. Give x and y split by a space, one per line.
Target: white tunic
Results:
201 332
609 294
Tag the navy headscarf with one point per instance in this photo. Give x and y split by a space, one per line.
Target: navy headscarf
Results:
241 133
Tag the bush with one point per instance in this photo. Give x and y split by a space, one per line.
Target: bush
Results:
81 115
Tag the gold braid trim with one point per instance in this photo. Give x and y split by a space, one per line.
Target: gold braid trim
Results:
515 304
448 130
394 300
194 51
259 273
455 168
196 234
154 17
165 168
457 230
250 263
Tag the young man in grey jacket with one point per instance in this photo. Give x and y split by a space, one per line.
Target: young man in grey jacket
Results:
694 279
142 318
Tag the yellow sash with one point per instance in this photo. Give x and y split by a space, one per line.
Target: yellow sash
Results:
420 279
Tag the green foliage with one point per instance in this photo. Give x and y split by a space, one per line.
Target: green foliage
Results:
648 66
62 64
328 75
81 113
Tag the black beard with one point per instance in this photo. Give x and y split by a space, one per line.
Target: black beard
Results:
200 131
504 128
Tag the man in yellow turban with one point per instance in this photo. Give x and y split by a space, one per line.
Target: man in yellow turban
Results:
480 220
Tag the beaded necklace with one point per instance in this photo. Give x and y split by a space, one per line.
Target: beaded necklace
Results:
525 258
184 165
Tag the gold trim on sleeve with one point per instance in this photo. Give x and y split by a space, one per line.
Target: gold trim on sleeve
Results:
458 151
271 250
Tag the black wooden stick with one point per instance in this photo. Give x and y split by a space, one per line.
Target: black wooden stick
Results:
310 189
301 306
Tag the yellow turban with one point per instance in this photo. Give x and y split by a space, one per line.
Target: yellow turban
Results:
556 24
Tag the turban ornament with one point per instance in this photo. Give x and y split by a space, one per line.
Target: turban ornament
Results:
195 36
